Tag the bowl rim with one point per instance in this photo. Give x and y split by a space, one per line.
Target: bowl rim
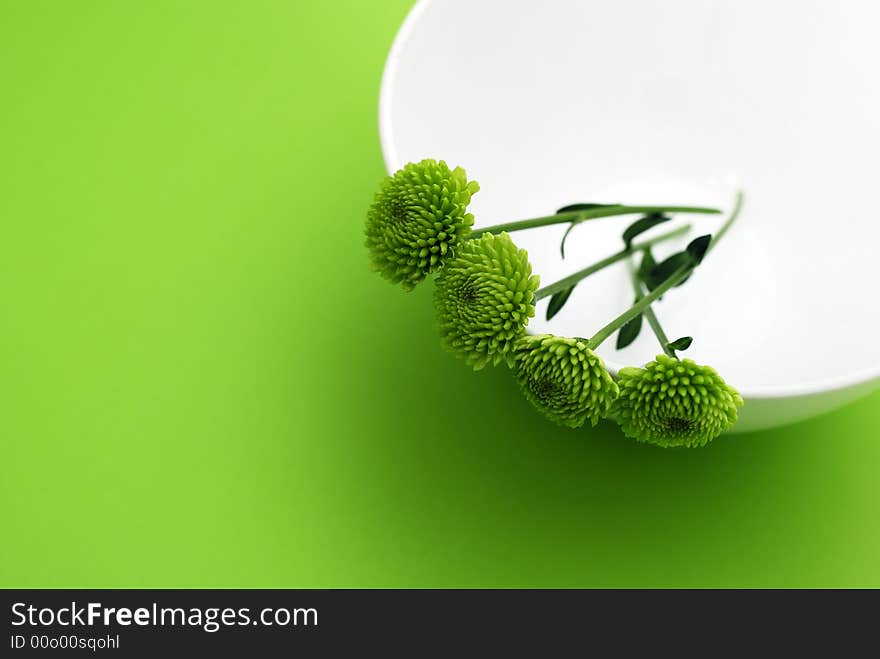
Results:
393 162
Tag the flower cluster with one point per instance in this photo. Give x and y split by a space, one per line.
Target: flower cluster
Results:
485 293
675 403
416 220
484 297
564 379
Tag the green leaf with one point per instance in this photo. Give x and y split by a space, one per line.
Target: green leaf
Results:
641 225
575 207
629 332
565 237
666 268
647 263
582 207
698 246
681 344
557 301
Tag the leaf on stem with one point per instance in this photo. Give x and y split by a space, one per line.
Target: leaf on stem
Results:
641 225
629 332
571 208
557 301
666 268
681 344
698 246
581 207
647 263
565 237
660 272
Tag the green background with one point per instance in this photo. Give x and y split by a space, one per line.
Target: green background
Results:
203 385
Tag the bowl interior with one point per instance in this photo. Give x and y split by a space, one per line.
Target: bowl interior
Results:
680 102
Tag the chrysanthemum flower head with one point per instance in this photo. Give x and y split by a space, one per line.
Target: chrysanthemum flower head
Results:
675 403
484 297
417 218
564 379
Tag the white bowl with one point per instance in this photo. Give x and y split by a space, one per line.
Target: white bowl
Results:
676 102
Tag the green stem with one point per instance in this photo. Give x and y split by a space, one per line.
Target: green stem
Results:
650 315
737 207
590 214
573 279
674 280
677 277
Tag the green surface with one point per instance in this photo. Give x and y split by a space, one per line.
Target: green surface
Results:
203 385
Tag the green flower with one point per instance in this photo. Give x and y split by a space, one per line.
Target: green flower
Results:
564 379
417 218
675 403
484 297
